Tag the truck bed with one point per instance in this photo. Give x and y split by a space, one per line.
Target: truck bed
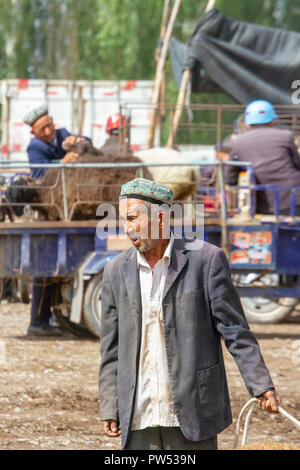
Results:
51 249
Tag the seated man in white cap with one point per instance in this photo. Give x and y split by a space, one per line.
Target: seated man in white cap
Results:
46 146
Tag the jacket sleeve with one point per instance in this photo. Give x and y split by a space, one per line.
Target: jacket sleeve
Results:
34 157
38 154
294 154
109 352
230 321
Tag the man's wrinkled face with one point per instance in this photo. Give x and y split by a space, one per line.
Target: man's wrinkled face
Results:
44 129
137 224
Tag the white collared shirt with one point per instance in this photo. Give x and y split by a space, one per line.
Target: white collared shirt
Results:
153 400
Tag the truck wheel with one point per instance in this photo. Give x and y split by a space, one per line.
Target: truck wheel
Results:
264 309
267 310
92 304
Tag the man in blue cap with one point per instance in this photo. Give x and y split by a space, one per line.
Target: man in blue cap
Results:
165 304
273 154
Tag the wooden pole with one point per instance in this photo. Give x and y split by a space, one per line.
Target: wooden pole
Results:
160 70
164 24
186 76
179 107
210 5
165 18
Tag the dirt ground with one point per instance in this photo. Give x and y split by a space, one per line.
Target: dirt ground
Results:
49 397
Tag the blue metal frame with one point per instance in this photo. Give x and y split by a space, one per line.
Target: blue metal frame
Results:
96 262
60 251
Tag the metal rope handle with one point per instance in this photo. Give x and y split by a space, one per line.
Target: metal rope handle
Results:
251 403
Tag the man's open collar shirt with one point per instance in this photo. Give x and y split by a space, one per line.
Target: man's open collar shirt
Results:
153 402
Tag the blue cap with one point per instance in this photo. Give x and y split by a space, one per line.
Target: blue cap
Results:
259 112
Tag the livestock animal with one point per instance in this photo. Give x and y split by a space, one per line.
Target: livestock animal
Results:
6 210
183 180
86 188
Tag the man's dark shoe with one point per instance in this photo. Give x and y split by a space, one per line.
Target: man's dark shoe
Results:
45 330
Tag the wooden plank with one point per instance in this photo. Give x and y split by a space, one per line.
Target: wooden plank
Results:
160 72
182 94
73 224
48 225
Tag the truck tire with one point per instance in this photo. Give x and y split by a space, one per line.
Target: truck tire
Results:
266 310
92 304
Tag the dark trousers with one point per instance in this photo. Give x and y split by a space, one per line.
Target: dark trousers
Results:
165 438
287 211
41 302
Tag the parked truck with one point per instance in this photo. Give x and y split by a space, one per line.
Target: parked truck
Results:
263 251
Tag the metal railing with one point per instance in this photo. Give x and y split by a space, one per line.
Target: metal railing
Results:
221 191
63 174
208 124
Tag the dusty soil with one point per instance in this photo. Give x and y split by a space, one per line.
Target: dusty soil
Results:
49 398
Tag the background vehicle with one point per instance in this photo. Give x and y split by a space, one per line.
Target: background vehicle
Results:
263 251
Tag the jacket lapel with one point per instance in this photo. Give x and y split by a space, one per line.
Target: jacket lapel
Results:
177 263
131 276
132 279
132 282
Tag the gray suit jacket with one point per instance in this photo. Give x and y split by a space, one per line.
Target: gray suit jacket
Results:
200 304
275 160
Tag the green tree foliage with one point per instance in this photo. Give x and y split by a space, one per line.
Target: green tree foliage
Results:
108 39
274 13
119 39
16 38
115 39
127 33
38 38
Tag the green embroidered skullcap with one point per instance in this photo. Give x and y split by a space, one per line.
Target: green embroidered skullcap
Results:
35 114
147 190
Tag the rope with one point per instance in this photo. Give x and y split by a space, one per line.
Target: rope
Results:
251 404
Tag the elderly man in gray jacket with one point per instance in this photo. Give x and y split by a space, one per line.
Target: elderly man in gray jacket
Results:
166 303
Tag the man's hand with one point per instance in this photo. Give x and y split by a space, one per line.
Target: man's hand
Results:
70 157
269 401
70 141
111 428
